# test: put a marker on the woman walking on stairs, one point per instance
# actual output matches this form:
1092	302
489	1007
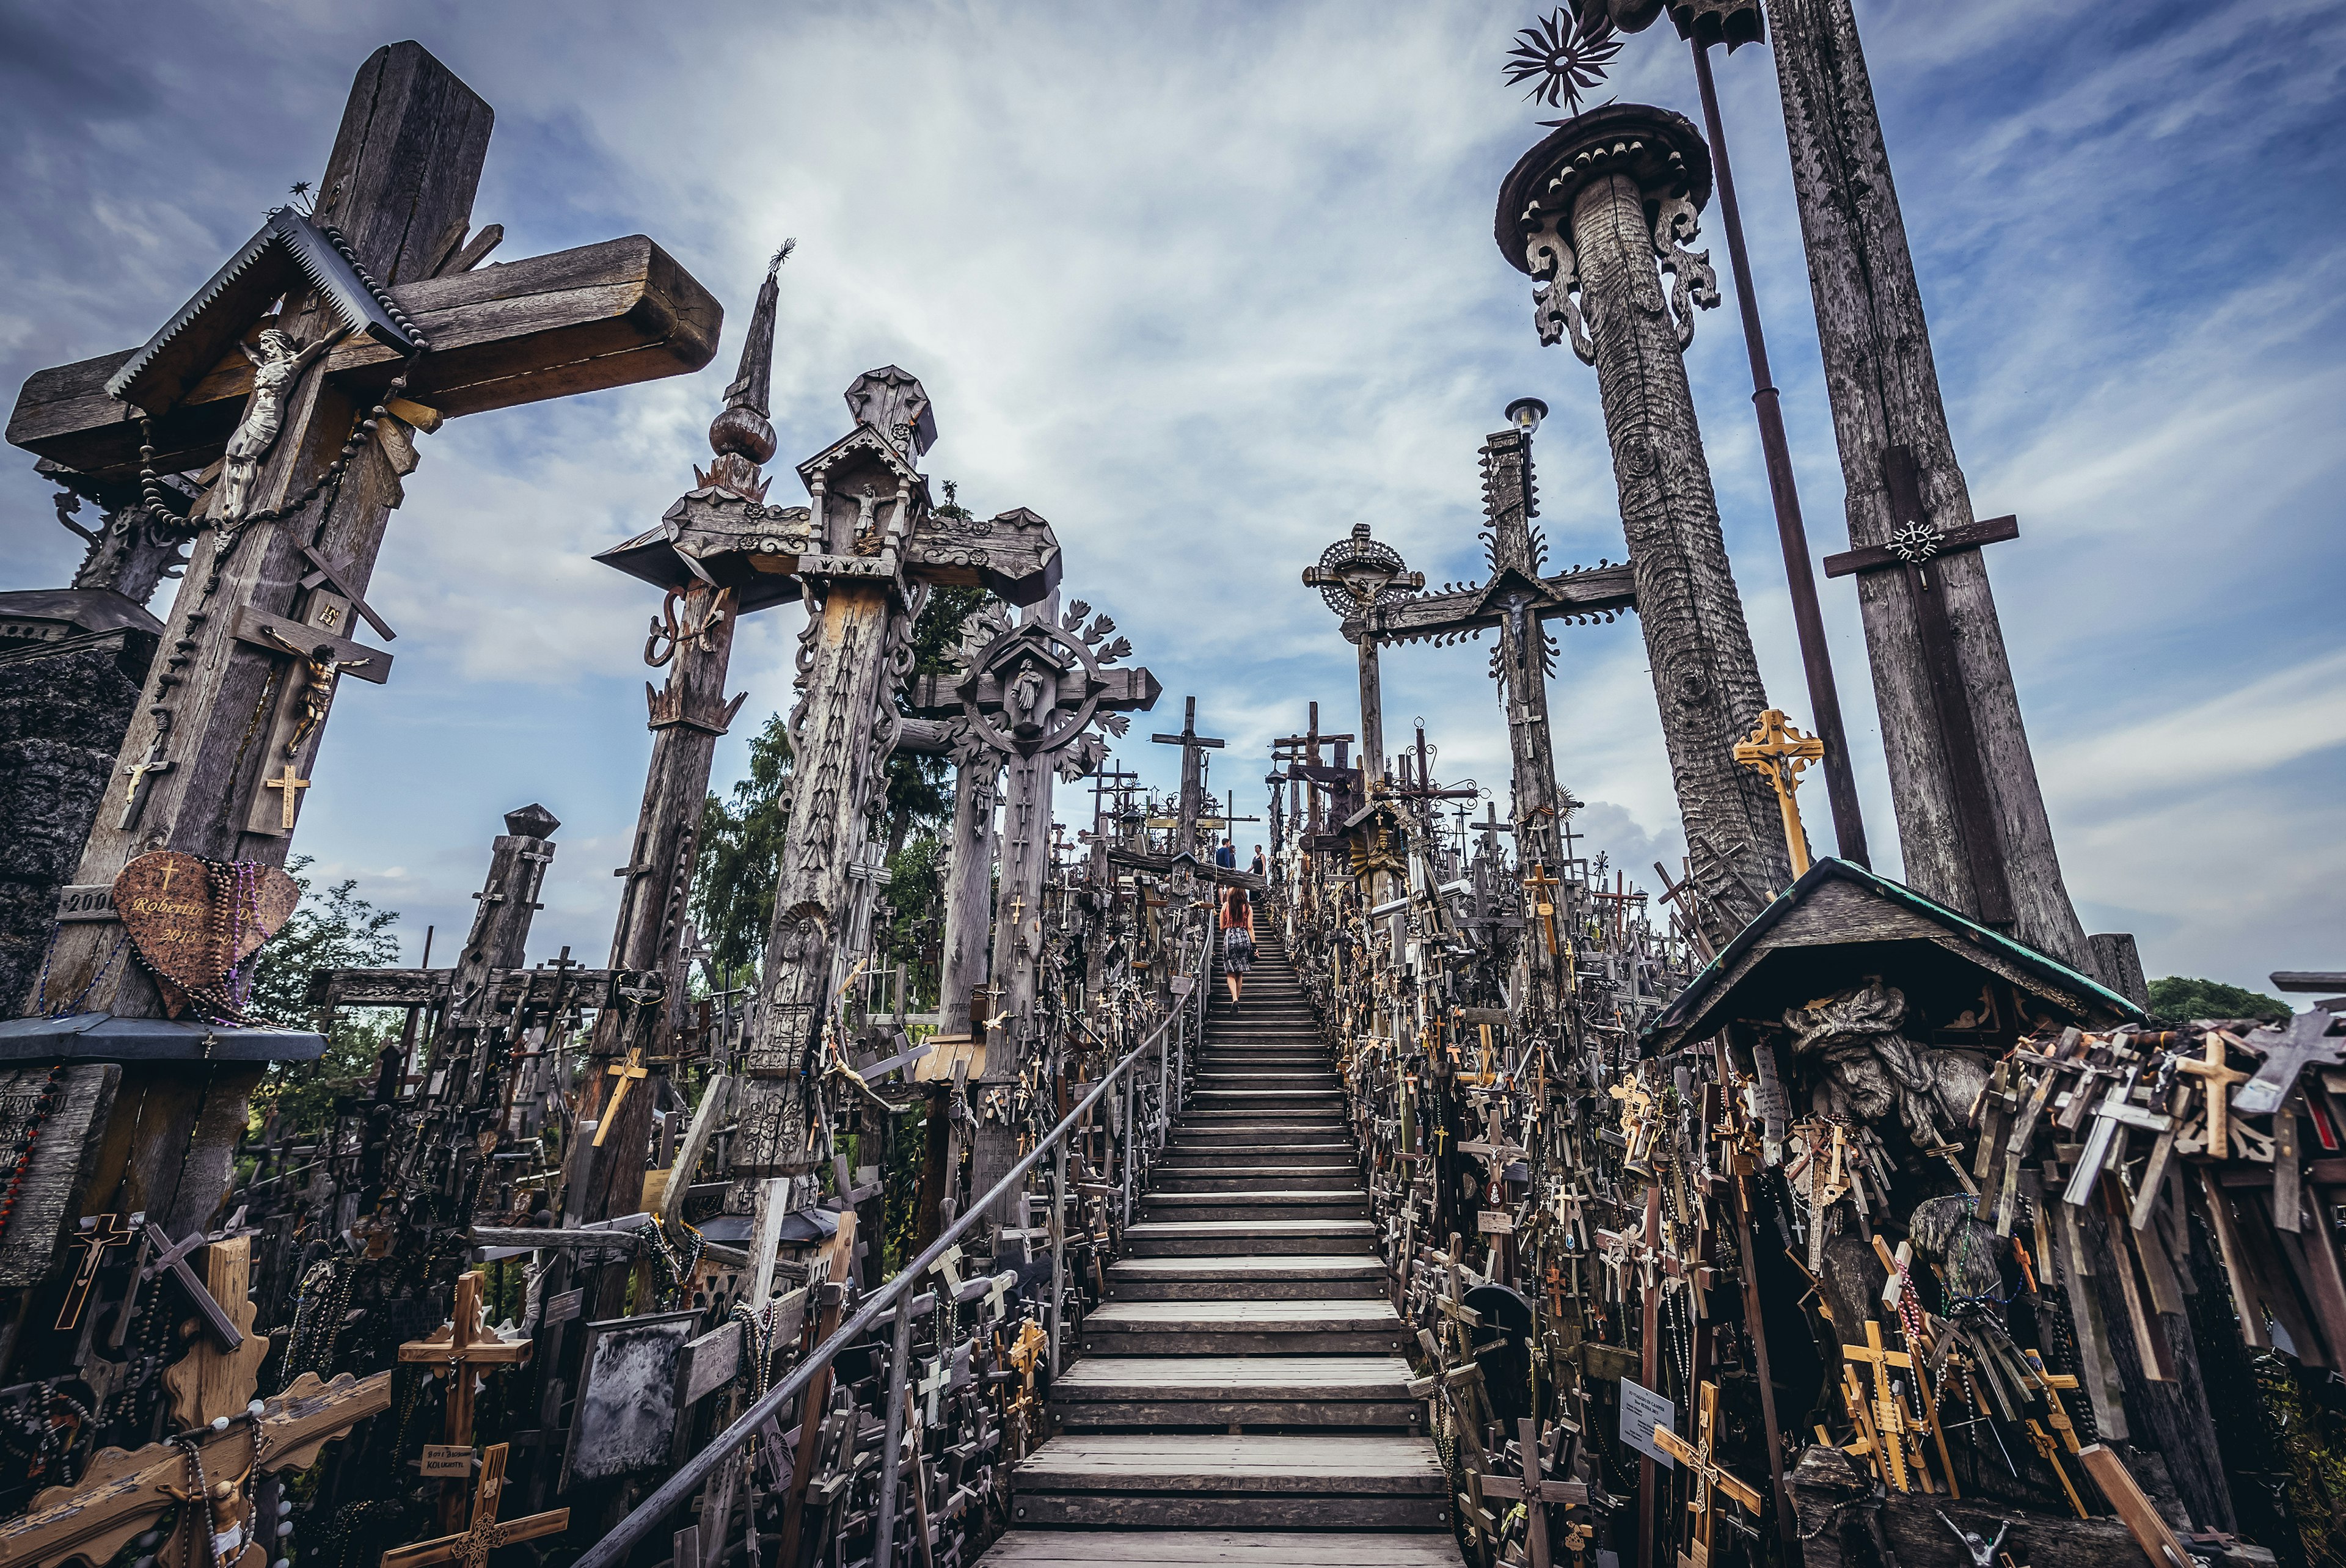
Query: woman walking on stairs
1238	940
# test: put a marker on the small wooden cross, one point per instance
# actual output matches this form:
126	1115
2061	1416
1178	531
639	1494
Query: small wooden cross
1542	889
95	1238
1708	1479
1888	1413
471	1548
290	781
627	1073
458	1346
1534	1490
2218	1076
1782	752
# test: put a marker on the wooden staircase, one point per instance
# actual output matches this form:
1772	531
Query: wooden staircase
1242	1396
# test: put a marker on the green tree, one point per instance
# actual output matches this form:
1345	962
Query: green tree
2177	999
331	929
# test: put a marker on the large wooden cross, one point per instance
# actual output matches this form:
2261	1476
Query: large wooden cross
219	710
457	1346
1914	550
487	1531
1354	575
1888	1411
1710	1478
1534	1491
1194	748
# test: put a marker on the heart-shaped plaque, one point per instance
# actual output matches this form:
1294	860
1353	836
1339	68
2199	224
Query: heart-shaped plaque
193	920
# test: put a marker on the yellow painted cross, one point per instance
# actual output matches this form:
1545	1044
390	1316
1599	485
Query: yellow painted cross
627	1073
290	782
1782	752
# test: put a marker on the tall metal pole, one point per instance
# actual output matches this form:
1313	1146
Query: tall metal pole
1816	656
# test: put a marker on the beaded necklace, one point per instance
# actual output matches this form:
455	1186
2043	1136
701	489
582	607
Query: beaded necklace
43	1105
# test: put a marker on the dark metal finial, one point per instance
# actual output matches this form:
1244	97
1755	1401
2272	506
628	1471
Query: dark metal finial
1562	58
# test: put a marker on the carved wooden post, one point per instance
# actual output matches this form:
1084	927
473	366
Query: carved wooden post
1885	388
1589	211
1352	574
968	879
865	552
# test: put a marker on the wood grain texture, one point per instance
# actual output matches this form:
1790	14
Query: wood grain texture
1884	390
65	1158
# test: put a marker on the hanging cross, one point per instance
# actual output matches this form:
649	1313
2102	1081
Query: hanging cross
290	781
485	1534
458	1346
1782	752
1708	1479
1542	888
1535	1492
172	1259
931	1387
627	1073
1914	543
96	1238
142	774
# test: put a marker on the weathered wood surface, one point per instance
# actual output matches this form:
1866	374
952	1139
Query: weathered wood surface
1699	648
968	880
1079	1549
599	316
1184	1462
1884	390
65	1157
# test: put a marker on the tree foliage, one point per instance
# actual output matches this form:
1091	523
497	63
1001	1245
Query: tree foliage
331	929
2179	999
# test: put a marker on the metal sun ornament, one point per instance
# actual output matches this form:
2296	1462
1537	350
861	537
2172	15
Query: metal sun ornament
1562	59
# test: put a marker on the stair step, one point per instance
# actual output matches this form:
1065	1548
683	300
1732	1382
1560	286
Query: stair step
1305	1326
1174	1480
1258	1238
1221	1548
1288	1203
1255	1178
1294	1277
1235	1391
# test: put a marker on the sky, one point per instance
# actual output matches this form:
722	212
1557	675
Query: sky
1206	285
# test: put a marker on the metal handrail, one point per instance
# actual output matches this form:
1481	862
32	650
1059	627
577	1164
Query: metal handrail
678	1489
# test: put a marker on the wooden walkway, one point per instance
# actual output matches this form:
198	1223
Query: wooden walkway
1242	1395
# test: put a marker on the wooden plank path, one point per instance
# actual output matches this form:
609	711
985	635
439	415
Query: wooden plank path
1242	1395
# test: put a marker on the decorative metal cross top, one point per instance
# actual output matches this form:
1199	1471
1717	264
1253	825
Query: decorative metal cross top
486	1533
1194	747
1781	753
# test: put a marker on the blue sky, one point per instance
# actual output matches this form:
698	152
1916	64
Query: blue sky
1207	284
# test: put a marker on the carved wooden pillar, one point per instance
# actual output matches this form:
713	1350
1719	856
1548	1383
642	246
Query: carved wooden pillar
968	880
1885	388
1590	211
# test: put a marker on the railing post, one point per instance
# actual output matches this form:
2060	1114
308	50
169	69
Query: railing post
900	1388
1129	1097
1058	1249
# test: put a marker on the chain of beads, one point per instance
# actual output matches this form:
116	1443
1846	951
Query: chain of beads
67	1009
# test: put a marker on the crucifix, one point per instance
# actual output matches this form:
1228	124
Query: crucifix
142	774
1194	748
853	655
1779	753
434	340
96	1237
1710	1478
486	1533
1352	574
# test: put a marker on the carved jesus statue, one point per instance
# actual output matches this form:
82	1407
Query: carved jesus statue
276	367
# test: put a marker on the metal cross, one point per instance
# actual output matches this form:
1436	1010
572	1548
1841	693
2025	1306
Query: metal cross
1777	750
142	777
288	782
95	1238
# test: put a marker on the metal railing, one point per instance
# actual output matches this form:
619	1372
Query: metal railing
676	1491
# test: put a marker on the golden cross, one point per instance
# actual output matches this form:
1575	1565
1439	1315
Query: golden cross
1781	752
1708	1478
471	1548
2216	1076
288	782
627	1073
1888	1413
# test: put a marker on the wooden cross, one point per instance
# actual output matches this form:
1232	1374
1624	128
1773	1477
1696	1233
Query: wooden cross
1889	1413
2287	1049
1709	1479
1782	752
173	1258
1194	747
458	1346
1914	543
486	1533
290	781
1534	1490
1542	887
96	1238
398	190
2217	1076
627	1073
